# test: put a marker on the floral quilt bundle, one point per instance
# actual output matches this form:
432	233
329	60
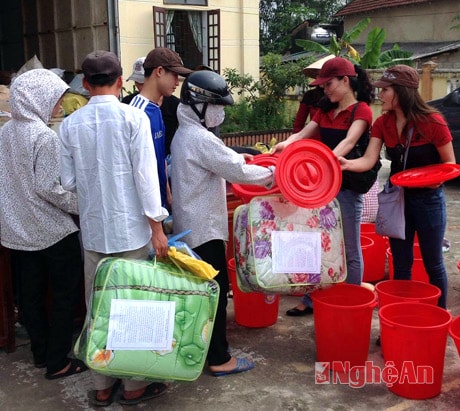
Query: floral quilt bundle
281	248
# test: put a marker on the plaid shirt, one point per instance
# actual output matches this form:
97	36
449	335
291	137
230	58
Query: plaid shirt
370	204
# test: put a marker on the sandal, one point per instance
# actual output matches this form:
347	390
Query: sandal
76	367
92	396
153	390
242	365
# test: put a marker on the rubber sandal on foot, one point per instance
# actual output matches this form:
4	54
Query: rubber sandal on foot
76	367
242	365
92	396
151	391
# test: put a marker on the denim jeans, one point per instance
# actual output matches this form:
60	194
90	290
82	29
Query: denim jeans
351	206
425	212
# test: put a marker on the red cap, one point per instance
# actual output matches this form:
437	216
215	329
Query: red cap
336	67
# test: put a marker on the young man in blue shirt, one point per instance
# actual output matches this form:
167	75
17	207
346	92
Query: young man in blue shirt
162	68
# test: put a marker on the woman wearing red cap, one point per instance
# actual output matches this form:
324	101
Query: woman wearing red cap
408	118
343	119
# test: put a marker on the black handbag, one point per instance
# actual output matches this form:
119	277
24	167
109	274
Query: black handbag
363	181
360	182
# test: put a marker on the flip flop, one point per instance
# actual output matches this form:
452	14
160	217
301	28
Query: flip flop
92	396
242	365
153	390
76	367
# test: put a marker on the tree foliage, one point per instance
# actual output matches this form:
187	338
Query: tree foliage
261	106
278	19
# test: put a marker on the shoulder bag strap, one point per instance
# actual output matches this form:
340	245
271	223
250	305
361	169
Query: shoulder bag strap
353	110
406	151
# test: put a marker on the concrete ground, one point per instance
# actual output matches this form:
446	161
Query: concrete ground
284	376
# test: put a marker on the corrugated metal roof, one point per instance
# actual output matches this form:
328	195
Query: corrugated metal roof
435	49
362	6
420	50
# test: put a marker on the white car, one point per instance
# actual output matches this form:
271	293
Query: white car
320	35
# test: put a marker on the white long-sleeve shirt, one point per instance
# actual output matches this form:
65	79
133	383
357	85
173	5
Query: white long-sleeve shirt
200	166
108	157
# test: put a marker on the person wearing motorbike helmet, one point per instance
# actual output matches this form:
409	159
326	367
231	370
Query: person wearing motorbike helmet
201	166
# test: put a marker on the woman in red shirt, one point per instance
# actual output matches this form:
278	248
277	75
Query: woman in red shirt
431	143
344	119
307	107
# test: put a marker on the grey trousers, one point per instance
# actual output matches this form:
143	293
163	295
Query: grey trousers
92	258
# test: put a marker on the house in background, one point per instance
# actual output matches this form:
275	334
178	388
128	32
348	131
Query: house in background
423	27
221	34
218	33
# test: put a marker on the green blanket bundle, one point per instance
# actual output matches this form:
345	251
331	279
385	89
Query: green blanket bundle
134	282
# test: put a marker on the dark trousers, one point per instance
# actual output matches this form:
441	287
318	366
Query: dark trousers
213	252
426	215
60	268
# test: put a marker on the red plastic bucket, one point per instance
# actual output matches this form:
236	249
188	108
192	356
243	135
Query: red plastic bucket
367	245
246	192
254	310
414	337
343	315
454	332
398	291
374	255
418	268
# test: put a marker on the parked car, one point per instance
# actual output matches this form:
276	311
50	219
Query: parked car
320	35
449	106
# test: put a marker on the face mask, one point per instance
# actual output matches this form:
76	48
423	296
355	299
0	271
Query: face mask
214	116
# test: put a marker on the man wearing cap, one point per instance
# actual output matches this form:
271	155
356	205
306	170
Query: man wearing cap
108	158
168	104
162	68
138	77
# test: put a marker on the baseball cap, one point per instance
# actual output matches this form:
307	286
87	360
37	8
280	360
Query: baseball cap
138	71
167	58
335	67
400	75
101	65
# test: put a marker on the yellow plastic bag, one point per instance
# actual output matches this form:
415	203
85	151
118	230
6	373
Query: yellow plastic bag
73	102
200	268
